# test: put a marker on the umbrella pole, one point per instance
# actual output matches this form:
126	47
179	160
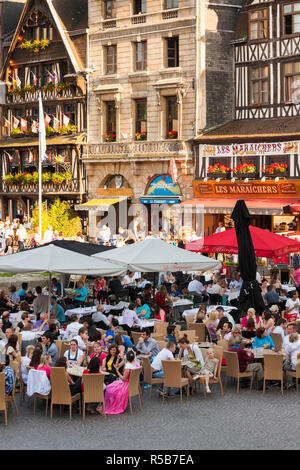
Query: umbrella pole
49	291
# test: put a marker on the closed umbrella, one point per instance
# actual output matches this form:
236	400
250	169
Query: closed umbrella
250	295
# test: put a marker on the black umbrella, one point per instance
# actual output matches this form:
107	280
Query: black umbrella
250	295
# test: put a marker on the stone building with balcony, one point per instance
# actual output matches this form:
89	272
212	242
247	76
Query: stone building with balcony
47	54
155	69
255	155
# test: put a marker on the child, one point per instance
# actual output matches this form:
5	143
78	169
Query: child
209	369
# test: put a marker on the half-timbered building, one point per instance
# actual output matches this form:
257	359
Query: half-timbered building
256	154
46	55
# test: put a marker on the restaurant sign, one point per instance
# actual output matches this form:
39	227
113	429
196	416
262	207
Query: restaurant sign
279	148
251	189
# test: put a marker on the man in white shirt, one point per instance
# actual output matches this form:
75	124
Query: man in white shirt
290	330
22	235
237	282
196	286
72	328
82	338
28	334
166	354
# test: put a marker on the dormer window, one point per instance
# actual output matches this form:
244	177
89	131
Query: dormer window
258	25
291	19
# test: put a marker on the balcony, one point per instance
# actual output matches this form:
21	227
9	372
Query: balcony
169	14
47	95
72	186
132	149
139	19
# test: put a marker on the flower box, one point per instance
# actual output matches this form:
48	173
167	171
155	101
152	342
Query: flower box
243	176
172	134
110	137
221	175
141	136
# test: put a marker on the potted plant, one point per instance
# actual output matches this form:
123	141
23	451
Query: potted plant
35	46
141	136
17	133
278	169
172	134
246	170
110	136
218	170
16	91
48	87
50	131
70	129
61	86
9	179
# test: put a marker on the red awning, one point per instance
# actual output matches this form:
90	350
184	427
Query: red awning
265	243
295	207
255	206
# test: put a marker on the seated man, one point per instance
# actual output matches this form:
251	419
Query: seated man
82	338
72	328
147	345
166	354
291	328
40	303
246	359
100	319
271	297
80	294
42	323
131	320
110	334
56	287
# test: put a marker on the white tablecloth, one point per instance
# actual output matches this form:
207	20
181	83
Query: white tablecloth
231	295
144	323
288	287
82	311
182	302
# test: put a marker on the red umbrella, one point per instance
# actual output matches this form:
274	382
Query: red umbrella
265	243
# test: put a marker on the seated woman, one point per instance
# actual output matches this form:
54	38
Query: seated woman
98	352
116	393
100	291
25	363
192	353
163	299
97	338
92	368
36	357
12	350
23	322
110	362
250	314
44	364
159	313
75	387
211	324
209	368
74	355
250	331
143	310
263	340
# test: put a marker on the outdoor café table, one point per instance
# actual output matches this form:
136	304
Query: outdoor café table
179	306
259	353
232	294
288	287
144	323
13	318
81	311
77	371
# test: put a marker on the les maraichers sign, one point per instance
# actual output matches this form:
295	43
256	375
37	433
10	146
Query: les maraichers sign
251	189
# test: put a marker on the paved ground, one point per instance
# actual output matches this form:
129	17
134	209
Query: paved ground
244	421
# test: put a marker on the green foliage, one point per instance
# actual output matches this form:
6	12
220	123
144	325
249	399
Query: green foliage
70	129
60	216
17	133
36	45
50	131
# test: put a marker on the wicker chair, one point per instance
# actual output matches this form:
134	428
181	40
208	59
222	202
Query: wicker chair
2	396
172	377
58	344
134	387
160	328
162	344
233	369
277	339
199	329
93	385
293	373
23	387
189	319
61	394
135	337
273	369
147	372
65	346
191	335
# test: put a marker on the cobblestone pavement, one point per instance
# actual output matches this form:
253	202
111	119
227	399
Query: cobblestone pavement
244	421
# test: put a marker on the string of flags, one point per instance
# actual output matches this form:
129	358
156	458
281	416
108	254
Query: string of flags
23	123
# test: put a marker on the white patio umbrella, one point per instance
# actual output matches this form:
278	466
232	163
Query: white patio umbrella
155	255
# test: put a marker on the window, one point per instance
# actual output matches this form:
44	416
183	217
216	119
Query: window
291	81
50	110
109	9
291	19
47	69
140	55
172	114
111	59
111	117
139	6
141	116
259	85
171	4
40	32
70	111
172	52
258	24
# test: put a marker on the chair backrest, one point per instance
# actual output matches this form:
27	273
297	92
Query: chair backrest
172	373
191	335
158	337
199	329
160	327
65	346
161	344
219	355
277	339
90	350
147	370
189	319
232	363
93	388
223	344
134	381
60	389
135	336
20	340
38	382
58	343
273	366
2	391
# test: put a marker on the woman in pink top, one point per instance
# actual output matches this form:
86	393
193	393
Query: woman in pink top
98	352
45	364
250	314
159	313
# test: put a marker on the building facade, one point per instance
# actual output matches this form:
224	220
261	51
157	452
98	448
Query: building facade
156	69
47	55
259	149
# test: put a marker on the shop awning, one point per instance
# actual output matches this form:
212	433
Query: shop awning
256	206
295	208
159	200
99	204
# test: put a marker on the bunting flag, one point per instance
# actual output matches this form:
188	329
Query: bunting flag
6	123
14	82
47	120
66	121
18	81
55	78
51	77
16	122
30	157
173	170
34	78
35	127
10	157
55	124
23	125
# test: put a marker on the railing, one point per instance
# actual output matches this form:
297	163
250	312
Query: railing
66	187
131	148
107	24
47	95
139	19
170	14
